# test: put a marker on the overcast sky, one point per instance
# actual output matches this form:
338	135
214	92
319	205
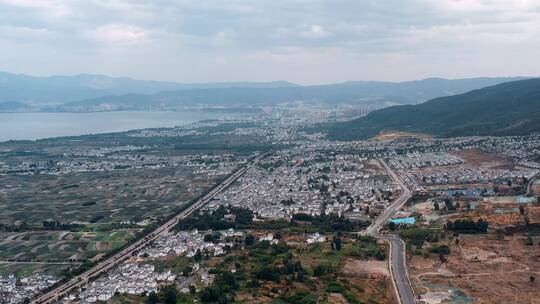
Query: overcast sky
304	41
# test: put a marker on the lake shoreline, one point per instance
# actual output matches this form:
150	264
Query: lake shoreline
33	126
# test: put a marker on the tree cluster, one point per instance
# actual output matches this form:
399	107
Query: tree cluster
468	226
215	220
331	222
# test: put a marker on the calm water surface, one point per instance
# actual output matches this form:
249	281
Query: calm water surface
17	126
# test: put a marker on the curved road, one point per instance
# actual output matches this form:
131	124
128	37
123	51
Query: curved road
530	184
397	260
126	253
379	222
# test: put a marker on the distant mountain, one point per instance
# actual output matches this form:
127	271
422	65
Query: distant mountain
62	89
511	108
378	94
14	106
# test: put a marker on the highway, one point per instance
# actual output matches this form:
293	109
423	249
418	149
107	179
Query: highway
126	253
397	260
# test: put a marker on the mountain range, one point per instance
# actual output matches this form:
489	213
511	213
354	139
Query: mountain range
62	89
89	92
511	108
14	106
372	93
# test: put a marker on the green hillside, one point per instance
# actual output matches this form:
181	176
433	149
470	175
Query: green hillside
511	108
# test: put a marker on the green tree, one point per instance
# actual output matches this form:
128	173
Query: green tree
152	298
269	274
228	279
171	295
442	257
449	204
211	294
249	240
319	270
198	255
300	276
289	267
337	243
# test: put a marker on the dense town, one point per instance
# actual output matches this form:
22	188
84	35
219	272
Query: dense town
305	174
297	181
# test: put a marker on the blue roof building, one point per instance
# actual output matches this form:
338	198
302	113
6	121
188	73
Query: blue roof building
405	220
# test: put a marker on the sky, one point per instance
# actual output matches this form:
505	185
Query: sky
303	41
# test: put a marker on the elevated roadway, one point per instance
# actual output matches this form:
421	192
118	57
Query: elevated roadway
126	253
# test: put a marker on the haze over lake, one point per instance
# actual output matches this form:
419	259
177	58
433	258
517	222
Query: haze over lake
22	126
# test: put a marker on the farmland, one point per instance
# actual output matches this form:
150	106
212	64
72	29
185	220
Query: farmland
69	201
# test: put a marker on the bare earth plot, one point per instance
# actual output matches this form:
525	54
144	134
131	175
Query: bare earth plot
481	269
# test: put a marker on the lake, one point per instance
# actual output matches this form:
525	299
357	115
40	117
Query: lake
20	126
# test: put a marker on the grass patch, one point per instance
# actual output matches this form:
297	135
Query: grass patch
176	264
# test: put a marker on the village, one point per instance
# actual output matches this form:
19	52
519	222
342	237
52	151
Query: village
138	276
15	290
307	182
120	158
315	177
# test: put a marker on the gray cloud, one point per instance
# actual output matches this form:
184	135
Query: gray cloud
307	41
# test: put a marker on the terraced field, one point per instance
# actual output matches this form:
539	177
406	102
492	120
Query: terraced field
26	252
97	198
59	246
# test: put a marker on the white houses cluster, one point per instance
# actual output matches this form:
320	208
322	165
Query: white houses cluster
303	181
189	242
127	278
16	290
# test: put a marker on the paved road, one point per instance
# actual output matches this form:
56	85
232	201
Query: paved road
126	253
397	261
379	222
398	267
531	183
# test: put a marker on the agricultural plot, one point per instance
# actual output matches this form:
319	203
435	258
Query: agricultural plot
59	246
68	201
28	252
27	269
97	198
